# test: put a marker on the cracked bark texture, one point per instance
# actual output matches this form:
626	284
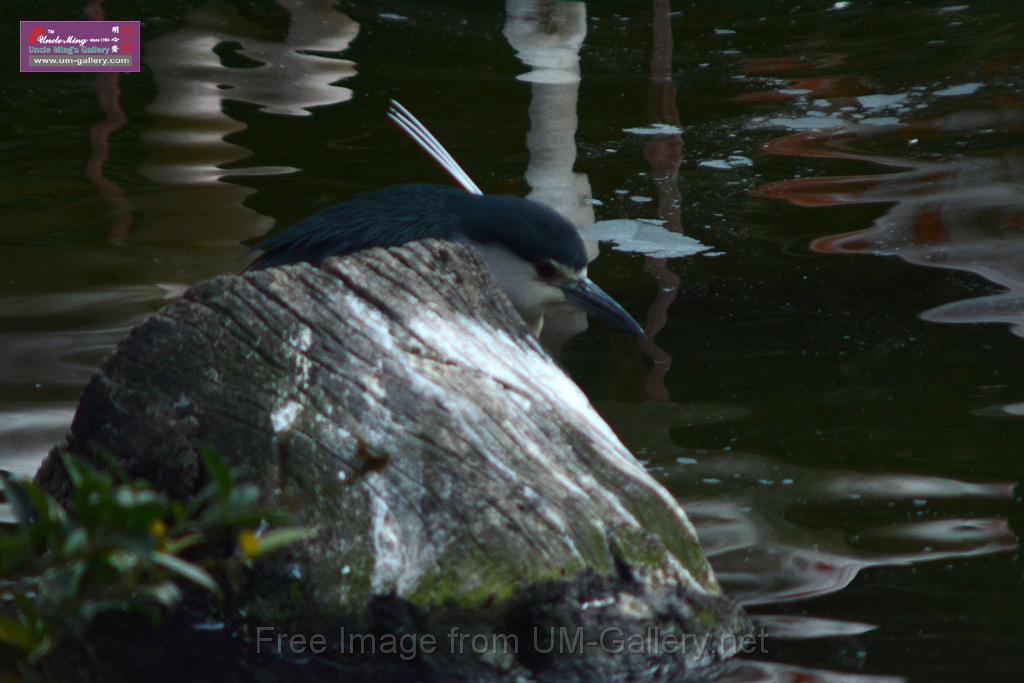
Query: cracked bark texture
457	477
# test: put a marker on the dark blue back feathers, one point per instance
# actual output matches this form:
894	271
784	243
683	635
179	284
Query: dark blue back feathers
405	213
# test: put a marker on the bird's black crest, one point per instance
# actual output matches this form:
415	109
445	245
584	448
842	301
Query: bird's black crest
401	214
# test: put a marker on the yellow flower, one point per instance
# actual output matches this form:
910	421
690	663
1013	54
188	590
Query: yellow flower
158	529
248	544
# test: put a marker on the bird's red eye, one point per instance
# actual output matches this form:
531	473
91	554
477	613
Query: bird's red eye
545	269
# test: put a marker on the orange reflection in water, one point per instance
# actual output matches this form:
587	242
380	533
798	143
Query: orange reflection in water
108	95
959	211
823	86
664	153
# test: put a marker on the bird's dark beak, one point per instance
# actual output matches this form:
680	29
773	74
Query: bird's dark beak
584	294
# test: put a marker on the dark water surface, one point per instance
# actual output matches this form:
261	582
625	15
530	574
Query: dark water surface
818	214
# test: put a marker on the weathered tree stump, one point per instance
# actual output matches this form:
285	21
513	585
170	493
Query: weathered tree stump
457	477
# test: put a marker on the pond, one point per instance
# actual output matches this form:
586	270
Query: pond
816	210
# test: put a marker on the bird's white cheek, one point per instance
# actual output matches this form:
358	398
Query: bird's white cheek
519	280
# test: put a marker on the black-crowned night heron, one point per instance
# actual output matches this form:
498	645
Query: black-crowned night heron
533	253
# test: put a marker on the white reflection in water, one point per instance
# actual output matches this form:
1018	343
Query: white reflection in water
27	434
801	628
778	532
547	37
41	369
186	146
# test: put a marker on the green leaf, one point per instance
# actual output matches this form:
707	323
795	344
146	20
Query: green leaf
178	545
75	542
44	644
112	465
89	610
72	469
61	582
279	538
165	593
219	473
17	635
123	561
117	551
186	570
200	500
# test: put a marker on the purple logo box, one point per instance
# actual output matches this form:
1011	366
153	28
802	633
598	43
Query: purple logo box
80	46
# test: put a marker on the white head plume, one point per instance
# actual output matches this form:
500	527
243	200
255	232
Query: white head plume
425	139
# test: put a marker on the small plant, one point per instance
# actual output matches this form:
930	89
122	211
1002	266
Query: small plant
119	546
